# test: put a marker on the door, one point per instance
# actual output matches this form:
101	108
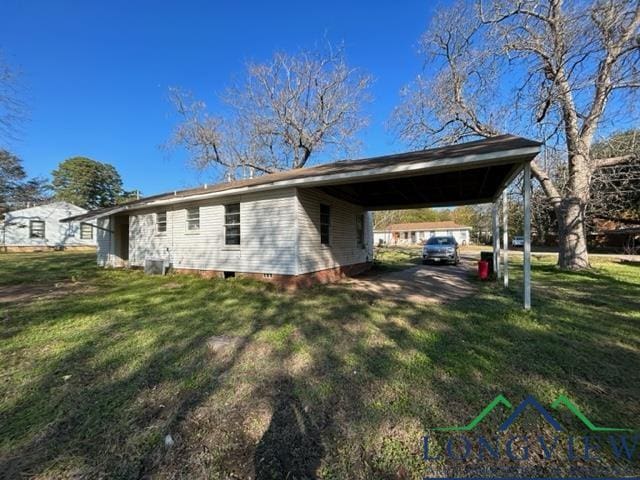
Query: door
124	242
121	242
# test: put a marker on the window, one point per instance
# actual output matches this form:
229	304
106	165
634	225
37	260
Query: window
36	229
360	230
232	224
161	222
441	241
325	224
193	219
86	231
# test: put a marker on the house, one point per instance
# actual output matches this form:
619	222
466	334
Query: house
300	226
39	228
417	233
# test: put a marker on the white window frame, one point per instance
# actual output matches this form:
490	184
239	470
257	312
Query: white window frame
44	229
161	222
233	224
188	220
82	234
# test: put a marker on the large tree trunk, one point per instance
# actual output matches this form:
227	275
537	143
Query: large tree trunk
572	235
572	232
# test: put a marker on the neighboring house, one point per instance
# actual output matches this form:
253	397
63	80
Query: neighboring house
417	233
300	226
39	228
615	236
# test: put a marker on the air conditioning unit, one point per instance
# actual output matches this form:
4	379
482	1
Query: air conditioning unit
156	266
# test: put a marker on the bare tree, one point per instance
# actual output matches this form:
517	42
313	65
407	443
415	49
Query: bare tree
12	109
283	113
546	68
615	189
383	218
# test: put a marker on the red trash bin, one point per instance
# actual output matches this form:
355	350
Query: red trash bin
483	270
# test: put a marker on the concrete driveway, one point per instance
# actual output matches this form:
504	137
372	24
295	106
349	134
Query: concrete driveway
421	284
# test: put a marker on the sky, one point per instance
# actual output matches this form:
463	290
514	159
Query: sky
95	75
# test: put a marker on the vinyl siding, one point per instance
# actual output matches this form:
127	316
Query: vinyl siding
343	248
16	226
268	235
103	239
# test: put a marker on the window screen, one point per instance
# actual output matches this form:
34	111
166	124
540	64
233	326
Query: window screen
325	224
193	219
232	224
360	230
36	229
161	222
86	231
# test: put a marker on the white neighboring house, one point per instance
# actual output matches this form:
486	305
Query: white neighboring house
39	228
419	232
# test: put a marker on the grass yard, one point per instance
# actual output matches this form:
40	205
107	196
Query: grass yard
325	383
392	259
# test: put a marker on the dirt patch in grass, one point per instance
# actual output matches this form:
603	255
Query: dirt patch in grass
420	284
23	293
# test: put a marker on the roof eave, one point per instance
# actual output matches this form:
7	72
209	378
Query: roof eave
525	154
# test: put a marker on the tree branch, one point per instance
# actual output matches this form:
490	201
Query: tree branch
613	161
547	184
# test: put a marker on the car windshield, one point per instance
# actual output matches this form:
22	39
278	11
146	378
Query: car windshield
441	241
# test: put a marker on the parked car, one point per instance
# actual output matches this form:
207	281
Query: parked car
441	249
517	242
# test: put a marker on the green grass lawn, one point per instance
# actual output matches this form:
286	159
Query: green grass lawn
389	259
30	268
325	383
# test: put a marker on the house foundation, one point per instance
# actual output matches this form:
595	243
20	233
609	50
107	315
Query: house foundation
287	282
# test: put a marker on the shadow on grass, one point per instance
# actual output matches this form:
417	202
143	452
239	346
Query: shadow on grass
291	447
324	383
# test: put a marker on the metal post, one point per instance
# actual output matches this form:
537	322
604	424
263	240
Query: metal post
505	238
496	240
527	236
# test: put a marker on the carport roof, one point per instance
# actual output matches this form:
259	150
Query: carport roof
471	172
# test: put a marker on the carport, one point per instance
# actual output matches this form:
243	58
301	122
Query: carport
465	174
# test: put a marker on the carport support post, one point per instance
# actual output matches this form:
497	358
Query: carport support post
527	236
505	238
496	240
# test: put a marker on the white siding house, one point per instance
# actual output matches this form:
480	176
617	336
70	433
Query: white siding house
302	225
280	235
419	232
40	228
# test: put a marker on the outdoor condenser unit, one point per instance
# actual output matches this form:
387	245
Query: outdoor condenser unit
156	266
